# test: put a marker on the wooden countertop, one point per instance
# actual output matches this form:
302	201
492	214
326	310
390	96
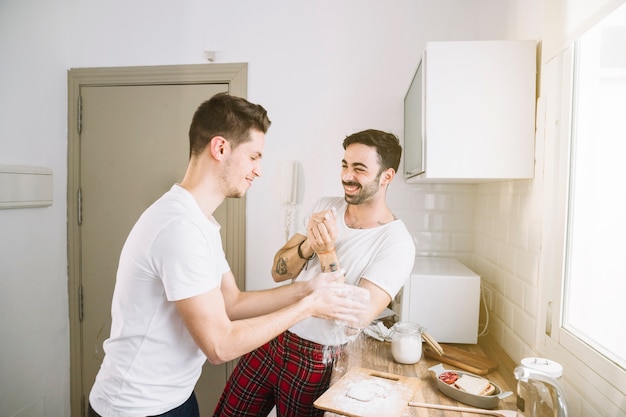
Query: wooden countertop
369	353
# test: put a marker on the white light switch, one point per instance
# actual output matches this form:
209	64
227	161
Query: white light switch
25	186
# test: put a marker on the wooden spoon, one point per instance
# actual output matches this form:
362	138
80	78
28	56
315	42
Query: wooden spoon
501	413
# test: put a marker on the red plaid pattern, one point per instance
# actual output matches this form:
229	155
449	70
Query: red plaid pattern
288	372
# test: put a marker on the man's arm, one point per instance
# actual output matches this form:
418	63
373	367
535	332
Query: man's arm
245	304
291	258
320	241
211	317
379	300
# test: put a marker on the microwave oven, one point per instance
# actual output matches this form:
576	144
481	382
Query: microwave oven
443	296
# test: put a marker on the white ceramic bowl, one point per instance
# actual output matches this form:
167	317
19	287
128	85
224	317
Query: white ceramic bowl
481	401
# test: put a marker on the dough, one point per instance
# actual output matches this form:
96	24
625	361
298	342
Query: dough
365	391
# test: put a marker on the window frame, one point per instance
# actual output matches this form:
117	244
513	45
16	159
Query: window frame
597	378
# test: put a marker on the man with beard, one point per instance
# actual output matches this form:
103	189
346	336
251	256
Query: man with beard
377	253
176	303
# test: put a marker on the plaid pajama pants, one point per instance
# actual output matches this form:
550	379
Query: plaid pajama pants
288	372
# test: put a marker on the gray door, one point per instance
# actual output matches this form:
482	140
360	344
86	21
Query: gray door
133	147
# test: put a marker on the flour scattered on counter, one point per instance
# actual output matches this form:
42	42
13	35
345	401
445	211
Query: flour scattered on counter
366	391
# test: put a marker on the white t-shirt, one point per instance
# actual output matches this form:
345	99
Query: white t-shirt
151	362
384	255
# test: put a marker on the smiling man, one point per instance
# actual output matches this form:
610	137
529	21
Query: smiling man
376	251
176	303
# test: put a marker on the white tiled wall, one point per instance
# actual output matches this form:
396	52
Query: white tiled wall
495	229
439	216
506	255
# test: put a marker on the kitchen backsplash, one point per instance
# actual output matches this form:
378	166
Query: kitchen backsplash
508	232
494	228
440	217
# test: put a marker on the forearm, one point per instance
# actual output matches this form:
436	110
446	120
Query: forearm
256	303
224	331
292	258
246	335
250	333
329	261
300	249
222	339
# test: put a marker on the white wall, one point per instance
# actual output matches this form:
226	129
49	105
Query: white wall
34	346
509	217
323	69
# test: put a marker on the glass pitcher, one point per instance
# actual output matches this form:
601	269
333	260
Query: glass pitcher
539	393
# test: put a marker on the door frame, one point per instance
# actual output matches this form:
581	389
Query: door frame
236	76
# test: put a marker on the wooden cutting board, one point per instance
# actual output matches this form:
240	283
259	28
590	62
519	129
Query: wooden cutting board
462	359
392	394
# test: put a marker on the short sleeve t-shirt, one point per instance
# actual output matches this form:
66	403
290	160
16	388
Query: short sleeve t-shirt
151	362
383	255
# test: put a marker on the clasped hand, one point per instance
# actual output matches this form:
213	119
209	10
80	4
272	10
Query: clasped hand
335	300
322	230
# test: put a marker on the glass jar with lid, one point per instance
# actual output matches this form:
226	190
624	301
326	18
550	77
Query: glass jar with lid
406	342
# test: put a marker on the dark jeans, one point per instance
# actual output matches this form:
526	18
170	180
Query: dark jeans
187	409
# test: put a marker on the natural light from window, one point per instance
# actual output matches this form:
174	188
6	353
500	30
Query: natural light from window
595	283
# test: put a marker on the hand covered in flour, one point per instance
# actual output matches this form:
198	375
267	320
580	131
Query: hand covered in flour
354	325
323	280
331	299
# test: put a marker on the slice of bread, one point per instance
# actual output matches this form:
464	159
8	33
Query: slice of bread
473	385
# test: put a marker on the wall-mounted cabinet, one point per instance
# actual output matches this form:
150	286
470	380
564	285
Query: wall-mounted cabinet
470	112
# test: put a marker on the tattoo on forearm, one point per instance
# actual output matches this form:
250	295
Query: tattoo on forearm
330	268
281	266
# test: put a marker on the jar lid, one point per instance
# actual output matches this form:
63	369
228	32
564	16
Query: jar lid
408	327
545	366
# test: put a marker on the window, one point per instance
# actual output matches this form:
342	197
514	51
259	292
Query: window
584	245
595	267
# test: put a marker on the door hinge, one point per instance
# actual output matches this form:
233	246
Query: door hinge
79	115
80	303
79	206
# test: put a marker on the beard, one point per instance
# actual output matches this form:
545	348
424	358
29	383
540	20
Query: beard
364	193
229	188
234	193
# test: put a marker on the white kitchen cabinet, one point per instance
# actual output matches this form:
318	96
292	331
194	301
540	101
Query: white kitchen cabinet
478	111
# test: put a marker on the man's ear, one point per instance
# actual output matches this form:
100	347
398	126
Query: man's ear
218	147
387	176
